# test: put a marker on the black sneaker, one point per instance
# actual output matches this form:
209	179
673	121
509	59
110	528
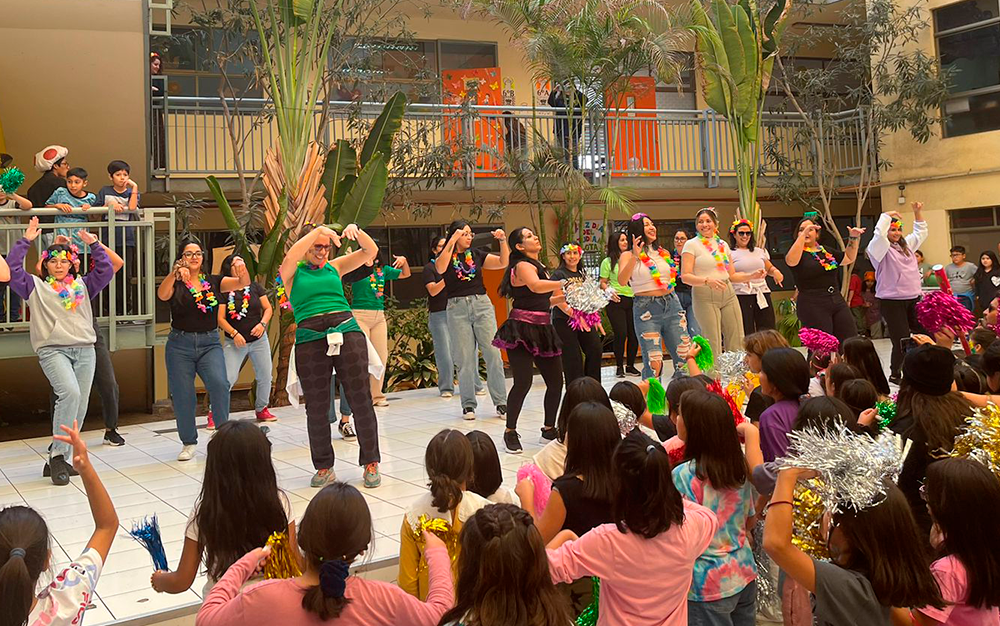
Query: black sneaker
112	438
47	471
550	433
631	371
60	471
894	379
512	442
620	372
502	410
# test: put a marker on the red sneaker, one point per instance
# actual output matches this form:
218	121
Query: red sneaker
264	415
211	422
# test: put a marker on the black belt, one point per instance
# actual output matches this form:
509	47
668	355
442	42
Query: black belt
820	290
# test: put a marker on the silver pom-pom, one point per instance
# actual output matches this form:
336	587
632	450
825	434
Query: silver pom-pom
627	420
585	296
730	366
851	466
767	574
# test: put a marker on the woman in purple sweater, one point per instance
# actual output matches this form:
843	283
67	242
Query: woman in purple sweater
62	328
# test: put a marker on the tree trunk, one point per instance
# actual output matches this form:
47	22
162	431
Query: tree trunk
286	339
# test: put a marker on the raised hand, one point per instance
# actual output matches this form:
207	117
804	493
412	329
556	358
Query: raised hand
32	231
239	266
637	244
398	261
183	274
351	232
81	460
499	235
86	237
855	232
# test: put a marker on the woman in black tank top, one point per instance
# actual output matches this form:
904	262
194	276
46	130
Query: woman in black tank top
527	335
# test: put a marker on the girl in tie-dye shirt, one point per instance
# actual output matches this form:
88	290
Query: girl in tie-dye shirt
715	474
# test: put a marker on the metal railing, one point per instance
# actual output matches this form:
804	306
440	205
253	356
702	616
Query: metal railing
130	298
190	138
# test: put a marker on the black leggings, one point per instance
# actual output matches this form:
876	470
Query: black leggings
577	346
550	367
620	316
826	311
314	368
901	318
754	317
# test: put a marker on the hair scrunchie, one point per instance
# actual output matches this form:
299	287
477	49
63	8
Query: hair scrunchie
17	553
333	578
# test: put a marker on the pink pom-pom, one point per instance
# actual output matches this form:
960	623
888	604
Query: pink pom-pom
543	486
938	310
579	318
818	341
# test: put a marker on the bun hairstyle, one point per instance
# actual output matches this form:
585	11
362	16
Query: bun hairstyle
516	236
449	462
24	554
646	503
335	530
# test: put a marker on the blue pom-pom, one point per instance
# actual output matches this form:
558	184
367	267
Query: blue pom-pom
147	533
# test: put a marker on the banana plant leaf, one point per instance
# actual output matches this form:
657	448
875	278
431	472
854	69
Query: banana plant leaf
341	162
728	32
746	99
712	58
346	183
241	244
363	201
386	126
267	259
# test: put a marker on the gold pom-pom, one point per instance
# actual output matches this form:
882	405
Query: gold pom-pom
807	519
442	529
281	563
980	439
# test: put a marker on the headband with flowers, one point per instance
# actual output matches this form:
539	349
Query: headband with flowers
638	216
570	247
740	222
72	256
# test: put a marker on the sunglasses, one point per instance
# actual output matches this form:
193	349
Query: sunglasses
319	247
743	233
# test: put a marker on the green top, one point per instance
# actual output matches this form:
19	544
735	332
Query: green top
612	276
930	281
364	291
317	291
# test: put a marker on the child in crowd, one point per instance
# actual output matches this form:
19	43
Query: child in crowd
860	353
504	576
857	303
552	458
838	374
756	345
631	398
784	377
25	554
487	474
963	497
961	276
449	464
336	530
873	312
716	475
581	498
644	559
818	364
239	478
860	396
73	196
968	378
122	195
979	340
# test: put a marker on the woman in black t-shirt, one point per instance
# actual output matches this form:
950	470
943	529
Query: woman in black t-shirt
582	346
193	343
820	304
243	317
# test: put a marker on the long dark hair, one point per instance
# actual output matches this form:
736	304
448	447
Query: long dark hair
712	442
839	373
636	228
678	387
647	502
458	224
583	389
940	418
787	371
732	237
823	413
591	441
614	249
858	394
964	499
337	526
55	249
239	477
21	528
486	473
503	575
516	236
628	393
579	265
860	353
448	461
980	274
885	547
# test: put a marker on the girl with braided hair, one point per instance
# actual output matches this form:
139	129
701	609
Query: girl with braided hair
504	578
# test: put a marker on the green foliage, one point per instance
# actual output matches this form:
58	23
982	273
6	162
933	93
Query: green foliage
788	321
242	245
341	166
410	364
386	126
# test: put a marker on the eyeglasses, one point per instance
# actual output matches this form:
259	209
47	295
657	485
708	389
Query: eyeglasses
193	255
319	247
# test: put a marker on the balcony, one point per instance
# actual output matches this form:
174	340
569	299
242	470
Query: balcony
649	147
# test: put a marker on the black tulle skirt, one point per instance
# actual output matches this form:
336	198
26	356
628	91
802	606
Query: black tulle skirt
538	339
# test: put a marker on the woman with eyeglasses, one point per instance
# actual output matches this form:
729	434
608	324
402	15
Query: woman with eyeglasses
754	296
814	267
193	346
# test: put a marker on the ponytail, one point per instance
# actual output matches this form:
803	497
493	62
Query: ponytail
24	552
327	600
449	462
647	503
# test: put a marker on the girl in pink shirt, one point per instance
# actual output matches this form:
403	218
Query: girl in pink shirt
335	531
964	501
644	559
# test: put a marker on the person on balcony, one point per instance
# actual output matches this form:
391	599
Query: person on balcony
193	345
54	167
707	266
754	296
471	318
814	267
328	338
568	120
62	329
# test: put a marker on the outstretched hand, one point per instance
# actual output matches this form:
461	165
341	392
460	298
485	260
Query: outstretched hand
855	232
32	231
86	237
81	460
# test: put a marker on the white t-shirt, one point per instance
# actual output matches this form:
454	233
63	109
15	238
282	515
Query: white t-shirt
552	459
65	600
504	496
704	263
749	262
12	235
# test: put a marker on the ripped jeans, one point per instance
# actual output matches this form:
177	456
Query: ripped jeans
656	318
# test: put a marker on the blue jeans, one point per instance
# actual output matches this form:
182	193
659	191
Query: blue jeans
260	356
656	318
188	354
71	373
687	303
345	407
737	610
471	321
967	299
437	322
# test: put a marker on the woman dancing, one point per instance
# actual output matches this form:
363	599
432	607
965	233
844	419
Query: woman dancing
586	339
471	319
813	266
897	278
328	338
527	335
754	296
620	308
656	312
193	345
706	266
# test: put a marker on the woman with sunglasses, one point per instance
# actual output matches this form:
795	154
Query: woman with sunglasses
814	267
193	346
754	296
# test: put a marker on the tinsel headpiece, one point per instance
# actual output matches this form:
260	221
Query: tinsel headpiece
627	420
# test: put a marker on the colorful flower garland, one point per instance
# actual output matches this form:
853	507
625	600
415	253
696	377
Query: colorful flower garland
824	258
70	289
377	280
741	222
233	313
718	252
205	294
281	294
466	269
570	247
654	269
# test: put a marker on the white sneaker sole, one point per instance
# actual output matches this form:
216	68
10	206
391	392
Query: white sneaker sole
468	416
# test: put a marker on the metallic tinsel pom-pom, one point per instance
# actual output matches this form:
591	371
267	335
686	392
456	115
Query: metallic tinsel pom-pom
585	296
980	439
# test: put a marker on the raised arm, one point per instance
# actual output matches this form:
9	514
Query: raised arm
853	243
879	245
241	280
441	262
298	250
919	235
367	250
794	254
527	275
20	281
778	533
501	261
627	261
401	264
166	289
99	277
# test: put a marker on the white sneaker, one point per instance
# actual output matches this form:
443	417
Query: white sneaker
481	392
187	453
446	394
469	414
382	403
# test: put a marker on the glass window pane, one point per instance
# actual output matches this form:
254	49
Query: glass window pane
180	85
972	114
973	56
463	55
964	13
972	218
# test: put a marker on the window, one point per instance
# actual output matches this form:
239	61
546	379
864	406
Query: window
467	55
968	43
190	61
381	68
978	229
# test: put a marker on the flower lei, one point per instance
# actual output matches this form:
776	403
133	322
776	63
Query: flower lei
570	247
281	294
465	269
718	251
70	289
205	294
377	280
824	258
654	270
740	222
233	313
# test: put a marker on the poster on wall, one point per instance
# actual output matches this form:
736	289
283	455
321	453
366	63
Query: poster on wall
593	236
459	86
636	146
508	92
542	90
